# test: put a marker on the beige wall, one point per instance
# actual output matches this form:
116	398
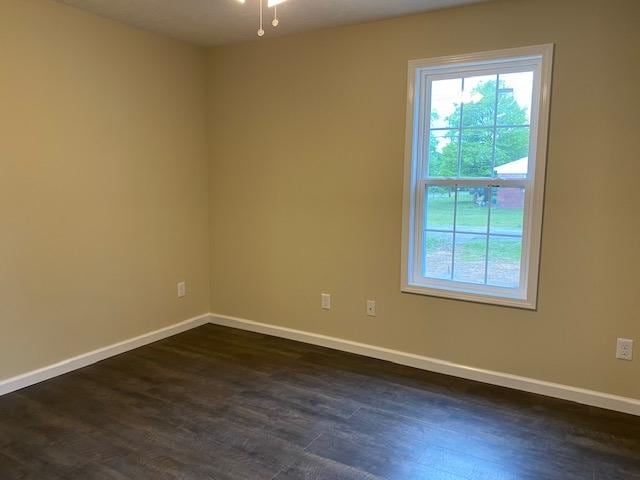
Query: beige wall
307	136
103	191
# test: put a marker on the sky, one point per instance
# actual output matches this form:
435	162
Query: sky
447	94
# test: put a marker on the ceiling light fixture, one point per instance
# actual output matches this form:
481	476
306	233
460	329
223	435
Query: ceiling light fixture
270	3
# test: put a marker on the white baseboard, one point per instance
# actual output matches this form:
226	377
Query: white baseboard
60	368
564	392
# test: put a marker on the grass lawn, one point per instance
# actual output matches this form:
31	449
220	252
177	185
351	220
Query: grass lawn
503	249
440	208
471	216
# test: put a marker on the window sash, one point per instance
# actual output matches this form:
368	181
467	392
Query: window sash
474	182
423	108
458	285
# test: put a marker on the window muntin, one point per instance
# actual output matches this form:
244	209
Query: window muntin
473	219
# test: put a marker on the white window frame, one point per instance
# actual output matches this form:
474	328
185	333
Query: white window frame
538	58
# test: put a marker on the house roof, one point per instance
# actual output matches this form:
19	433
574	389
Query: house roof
517	167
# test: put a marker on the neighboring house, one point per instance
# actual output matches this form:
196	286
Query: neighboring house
511	197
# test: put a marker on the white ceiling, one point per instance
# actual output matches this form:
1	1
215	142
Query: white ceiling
214	22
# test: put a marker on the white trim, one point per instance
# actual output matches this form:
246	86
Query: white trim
565	392
525	384
36	376
538	58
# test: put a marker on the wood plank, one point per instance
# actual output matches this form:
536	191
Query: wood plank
219	403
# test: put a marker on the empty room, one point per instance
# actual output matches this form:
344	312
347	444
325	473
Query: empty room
319	239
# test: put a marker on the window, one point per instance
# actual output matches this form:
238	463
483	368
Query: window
474	175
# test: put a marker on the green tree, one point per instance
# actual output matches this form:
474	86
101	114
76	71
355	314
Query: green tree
477	142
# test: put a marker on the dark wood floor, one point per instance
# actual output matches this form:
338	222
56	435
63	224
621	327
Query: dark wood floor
218	403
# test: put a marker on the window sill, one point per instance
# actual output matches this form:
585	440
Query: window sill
526	304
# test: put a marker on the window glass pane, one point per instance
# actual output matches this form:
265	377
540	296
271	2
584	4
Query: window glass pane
438	251
443	153
514	98
473	209
512	152
503	266
440	202
479	101
469	261
477	152
507	210
445	103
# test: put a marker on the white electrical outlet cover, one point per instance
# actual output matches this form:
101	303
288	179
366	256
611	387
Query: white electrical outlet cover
624	349
371	308
325	301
